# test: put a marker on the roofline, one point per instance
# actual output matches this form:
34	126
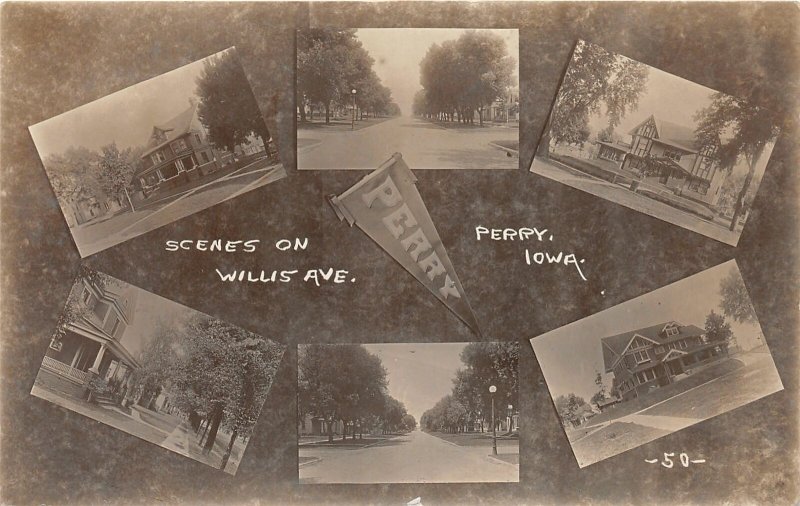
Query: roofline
624	350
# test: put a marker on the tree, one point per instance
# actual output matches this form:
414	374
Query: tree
568	407
717	329
746	129
595	79
227	107
462	76
409	423
600	395
116	172
224	372
735	301
73	175
340	382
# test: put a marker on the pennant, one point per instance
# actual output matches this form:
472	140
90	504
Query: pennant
386	205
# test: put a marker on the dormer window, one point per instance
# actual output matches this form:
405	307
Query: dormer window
672	331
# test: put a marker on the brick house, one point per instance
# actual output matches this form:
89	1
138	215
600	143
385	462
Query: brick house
178	152
656	356
669	155
92	348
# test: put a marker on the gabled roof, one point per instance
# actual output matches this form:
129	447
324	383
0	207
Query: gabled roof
175	127
672	134
615	346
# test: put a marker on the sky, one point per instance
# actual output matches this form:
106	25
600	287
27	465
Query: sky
399	51
674	99
125	117
419	374
571	356
149	312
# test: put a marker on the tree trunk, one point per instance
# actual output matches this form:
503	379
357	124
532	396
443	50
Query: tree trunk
480	115
330	430
228	450
302	110
130	202
737	208
212	435
327	113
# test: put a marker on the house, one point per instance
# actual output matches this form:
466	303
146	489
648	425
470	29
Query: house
669	155
178	152
607	403
310	425
92	347
655	356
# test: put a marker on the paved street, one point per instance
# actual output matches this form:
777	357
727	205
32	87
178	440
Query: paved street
627	198
416	457
423	145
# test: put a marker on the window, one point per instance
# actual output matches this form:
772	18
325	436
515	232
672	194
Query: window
178	145
672	155
641	356
158	157
672	331
204	157
56	344
683	344
115	328
198	139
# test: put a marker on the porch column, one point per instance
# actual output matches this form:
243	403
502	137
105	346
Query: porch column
98	359
77	356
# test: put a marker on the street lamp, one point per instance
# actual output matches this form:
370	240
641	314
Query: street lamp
353	125
492	390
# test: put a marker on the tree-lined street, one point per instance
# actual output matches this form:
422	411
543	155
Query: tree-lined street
423	144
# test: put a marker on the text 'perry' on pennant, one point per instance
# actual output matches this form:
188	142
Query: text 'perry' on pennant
386	205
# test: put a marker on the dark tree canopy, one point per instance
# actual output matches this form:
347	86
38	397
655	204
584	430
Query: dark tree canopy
462	76
596	80
735	301
227	108
717	329
742	131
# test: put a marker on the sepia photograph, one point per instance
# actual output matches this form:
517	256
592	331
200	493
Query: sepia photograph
157	151
656	143
408	413
158	370
448	100
657	364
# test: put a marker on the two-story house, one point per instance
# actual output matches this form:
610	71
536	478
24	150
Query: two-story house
669	155
92	346
656	356
178	152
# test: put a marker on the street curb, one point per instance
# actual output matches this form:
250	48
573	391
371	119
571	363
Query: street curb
495	460
503	148
316	459
341	445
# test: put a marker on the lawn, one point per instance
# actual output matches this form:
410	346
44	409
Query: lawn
663	393
477	438
737	389
340	124
606	174
339	442
613	439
